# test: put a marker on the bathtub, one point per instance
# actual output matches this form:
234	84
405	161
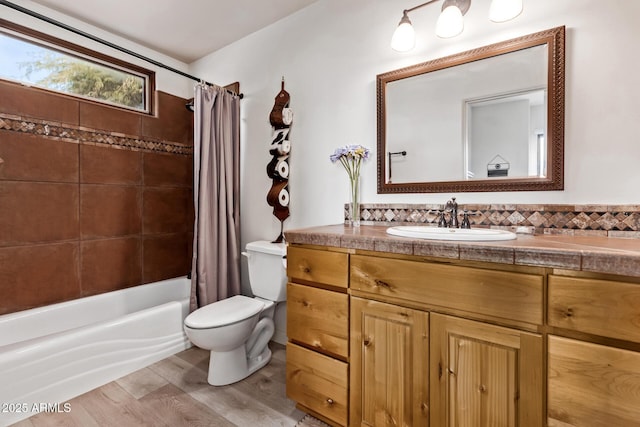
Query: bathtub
50	354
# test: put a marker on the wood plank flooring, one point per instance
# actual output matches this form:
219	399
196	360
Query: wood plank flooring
174	392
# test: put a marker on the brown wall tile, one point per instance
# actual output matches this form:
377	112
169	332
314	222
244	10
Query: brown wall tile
165	210
109	265
37	212
165	257
36	158
173	122
110	211
168	170
110	119
107	165
58	191
33	102
33	276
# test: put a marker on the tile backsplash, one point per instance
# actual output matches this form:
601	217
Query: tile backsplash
585	220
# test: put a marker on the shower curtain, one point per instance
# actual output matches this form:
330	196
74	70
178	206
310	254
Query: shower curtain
215	268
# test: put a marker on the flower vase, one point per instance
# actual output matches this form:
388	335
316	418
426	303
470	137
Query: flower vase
354	202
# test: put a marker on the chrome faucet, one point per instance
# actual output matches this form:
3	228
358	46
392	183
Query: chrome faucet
452	207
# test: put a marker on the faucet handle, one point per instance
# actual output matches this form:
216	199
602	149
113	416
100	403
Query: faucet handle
465	220
442	222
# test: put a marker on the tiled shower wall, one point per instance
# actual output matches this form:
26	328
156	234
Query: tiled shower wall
92	198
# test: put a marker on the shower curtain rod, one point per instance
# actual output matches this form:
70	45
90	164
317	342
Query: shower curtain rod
105	42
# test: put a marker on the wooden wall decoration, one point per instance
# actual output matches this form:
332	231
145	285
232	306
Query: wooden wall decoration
281	118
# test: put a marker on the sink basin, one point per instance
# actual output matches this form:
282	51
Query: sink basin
457	234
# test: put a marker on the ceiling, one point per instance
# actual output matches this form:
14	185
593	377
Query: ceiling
182	29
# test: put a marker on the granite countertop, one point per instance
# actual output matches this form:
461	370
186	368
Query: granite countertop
592	254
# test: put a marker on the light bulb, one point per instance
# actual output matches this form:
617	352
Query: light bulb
504	10
450	22
404	38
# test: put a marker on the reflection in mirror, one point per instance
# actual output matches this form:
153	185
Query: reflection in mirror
491	119
505	136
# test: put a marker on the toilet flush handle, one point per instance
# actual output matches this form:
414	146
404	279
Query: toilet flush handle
246	254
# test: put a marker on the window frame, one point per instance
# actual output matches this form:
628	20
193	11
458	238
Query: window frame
32	36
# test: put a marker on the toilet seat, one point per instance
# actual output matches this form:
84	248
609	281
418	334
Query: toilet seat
224	312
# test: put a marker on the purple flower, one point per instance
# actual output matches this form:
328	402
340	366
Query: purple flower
350	156
350	152
340	152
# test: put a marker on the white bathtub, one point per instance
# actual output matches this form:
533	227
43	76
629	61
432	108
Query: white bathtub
50	354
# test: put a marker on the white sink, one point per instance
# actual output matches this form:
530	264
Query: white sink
458	234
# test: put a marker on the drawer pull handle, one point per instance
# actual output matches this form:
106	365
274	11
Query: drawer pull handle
569	312
482	388
330	401
366	342
306	270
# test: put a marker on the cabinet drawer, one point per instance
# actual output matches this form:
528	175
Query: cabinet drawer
329	268
602	307
592	385
317	382
499	294
318	318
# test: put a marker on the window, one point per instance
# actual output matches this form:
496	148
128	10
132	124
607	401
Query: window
35	59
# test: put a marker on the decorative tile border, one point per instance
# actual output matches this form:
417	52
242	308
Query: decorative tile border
592	220
83	135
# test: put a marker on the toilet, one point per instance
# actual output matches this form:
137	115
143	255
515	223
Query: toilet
237	330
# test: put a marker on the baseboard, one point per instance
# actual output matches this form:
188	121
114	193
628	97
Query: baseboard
280	337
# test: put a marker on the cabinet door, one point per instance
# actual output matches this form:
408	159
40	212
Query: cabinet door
484	375
592	385
389	365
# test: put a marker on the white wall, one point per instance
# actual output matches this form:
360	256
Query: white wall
331	52
166	81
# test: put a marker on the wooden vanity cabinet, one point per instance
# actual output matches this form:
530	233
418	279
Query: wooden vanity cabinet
381	339
419	367
318	332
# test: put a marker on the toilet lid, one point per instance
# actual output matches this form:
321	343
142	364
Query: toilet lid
224	312
267	247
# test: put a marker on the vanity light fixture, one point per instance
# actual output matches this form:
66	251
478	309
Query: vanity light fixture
451	22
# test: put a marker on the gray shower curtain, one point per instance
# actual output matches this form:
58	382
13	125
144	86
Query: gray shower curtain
215	268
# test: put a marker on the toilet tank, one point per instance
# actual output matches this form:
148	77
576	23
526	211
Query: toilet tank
267	270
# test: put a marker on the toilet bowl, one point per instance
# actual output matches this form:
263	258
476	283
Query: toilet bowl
237	330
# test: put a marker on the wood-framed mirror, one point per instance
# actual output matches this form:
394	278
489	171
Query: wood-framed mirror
488	119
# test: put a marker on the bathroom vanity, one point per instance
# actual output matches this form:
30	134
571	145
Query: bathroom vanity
536	331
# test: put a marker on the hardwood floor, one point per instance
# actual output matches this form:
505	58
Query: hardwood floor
174	392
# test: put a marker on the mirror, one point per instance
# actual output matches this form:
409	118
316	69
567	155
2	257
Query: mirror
489	119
